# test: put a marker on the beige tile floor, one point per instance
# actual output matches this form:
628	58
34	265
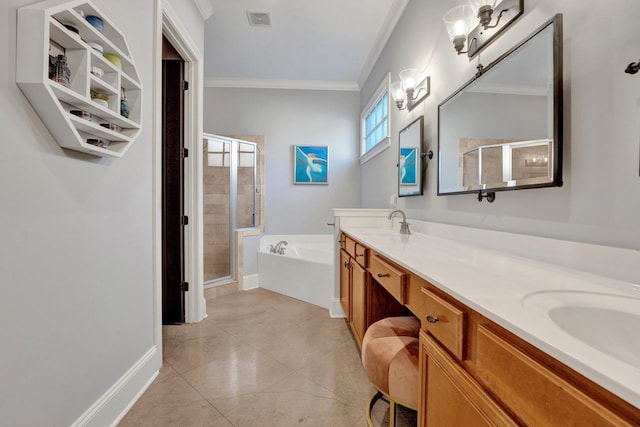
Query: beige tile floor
260	359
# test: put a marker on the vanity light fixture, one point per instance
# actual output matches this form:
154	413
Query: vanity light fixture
474	24
459	22
411	90
483	9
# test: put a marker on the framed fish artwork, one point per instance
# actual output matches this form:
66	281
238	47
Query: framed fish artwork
310	164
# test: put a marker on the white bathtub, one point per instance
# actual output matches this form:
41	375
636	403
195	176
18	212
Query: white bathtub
305	270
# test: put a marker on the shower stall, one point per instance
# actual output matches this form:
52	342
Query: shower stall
229	202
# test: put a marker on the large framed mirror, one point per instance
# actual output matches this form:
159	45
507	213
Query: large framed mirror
503	129
410	159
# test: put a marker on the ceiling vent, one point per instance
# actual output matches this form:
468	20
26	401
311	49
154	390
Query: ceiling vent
259	19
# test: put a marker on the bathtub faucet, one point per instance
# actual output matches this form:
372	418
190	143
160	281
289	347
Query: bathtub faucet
404	226
278	248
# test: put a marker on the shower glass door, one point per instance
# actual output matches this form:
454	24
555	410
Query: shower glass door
229	202
246	184
217	210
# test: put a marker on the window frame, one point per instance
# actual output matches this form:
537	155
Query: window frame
385	142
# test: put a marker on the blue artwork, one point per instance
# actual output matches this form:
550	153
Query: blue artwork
310	164
408	173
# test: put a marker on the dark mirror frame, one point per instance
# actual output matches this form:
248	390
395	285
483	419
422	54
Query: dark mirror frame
419	163
556	171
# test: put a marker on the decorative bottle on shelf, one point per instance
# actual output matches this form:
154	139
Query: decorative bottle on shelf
61	71
124	105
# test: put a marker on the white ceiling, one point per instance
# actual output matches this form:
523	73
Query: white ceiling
311	44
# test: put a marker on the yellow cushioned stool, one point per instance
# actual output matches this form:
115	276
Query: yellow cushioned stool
390	357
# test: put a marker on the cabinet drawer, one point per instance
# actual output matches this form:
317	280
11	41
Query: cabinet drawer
391	278
350	246
355	250
535	393
361	255
444	321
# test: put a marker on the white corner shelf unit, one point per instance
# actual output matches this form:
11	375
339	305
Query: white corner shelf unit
42	31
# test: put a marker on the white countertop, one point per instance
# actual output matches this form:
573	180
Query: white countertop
503	288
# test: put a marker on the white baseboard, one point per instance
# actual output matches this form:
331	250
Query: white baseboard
250	282
336	310
116	402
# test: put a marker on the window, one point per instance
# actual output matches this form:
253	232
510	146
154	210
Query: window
375	123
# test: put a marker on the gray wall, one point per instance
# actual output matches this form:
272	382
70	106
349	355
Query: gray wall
600	199
76	267
287	118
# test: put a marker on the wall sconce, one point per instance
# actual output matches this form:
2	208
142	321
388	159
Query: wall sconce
483	9
410	90
472	24
459	22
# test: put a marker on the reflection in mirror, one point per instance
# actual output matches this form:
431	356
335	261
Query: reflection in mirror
410	160
503	129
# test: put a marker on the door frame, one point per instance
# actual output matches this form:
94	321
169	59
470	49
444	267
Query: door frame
169	25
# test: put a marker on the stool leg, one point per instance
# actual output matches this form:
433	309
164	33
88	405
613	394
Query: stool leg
392	413
372	401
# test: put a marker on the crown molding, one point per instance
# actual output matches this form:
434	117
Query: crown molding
282	84
383	36
205	8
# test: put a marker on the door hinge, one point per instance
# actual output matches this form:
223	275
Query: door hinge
184	286
185	85
185	152
184	220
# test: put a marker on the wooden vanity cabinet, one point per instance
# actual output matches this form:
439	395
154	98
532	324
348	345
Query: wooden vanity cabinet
473	372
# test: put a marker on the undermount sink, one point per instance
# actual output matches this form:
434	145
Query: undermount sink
606	322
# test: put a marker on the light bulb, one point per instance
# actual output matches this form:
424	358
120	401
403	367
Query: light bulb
409	78
459	28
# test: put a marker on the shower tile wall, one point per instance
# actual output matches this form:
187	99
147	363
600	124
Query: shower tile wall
217	262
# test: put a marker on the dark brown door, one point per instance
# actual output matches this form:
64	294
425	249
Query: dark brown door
173	219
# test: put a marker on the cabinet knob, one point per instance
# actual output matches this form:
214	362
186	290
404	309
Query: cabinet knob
383	275
432	319
347	265
357	255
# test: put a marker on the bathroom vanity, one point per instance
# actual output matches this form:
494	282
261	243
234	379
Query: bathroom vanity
496	342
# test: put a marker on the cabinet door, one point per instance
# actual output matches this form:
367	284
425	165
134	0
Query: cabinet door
449	396
534	392
358	300
345	284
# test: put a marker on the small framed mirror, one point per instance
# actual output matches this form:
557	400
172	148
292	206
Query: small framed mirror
503	129
410	159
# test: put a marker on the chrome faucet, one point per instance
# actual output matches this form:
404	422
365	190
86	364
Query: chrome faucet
404	226
278	248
